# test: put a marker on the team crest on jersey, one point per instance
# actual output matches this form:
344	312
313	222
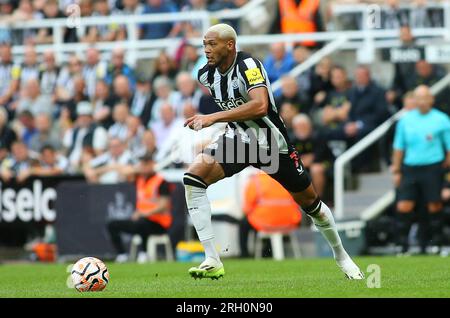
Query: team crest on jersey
234	83
229	103
254	76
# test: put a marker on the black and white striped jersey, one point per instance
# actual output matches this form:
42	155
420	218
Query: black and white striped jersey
230	90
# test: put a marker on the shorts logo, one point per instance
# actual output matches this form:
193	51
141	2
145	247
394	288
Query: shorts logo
254	76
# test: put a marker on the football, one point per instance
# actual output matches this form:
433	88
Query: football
89	274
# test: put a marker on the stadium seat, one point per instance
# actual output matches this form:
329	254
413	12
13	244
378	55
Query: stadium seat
276	242
152	244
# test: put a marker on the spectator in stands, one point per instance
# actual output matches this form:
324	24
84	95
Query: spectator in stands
287	113
17	165
159	30
51	163
102	111
423	17
404	59
143	99
394	17
278	62
298	16
262	196
48	74
65	82
421	151
148	144
93	70
33	100
119	67
46	134
165	94
85	134
105	32
335	108
315	154
24	12
112	166
27	126
290	93
135	133
164	65
162	128
321	81
120	128
9	74
30	66
45	35
300	55
193	28
132	7
6	11
7	135
188	93
121	91
152	215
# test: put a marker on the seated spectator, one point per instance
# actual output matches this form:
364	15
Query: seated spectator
7	135
152	215
162	128
132	7
164	94
187	93
33	101
112	166
78	95
263	195
9	74
16	166
321	81
148	144
24	12
48	74
29	69
290	93
159	30
120	128
102	111
421	16
188	59
6	11
50	164
46	134
394	17
278	62
93	70
300	55
65	82
335	108
26	127
143	99
193	28
135	133
287	113
104	32
45	35
119	67
164	66
85	134
315	154
121	93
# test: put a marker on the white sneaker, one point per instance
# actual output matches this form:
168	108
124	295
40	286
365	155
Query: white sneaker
122	258
350	269
142	258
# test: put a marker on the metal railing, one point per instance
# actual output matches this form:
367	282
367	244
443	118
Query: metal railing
363	144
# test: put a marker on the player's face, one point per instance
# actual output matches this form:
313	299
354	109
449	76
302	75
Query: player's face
216	49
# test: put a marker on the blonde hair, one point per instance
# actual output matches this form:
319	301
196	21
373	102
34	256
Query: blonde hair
224	31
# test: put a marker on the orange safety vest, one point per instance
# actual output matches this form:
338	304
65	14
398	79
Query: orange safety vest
147	195
299	19
268	206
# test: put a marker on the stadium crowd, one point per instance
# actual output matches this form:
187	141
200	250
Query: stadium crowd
97	117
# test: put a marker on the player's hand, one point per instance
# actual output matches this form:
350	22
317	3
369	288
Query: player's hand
198	121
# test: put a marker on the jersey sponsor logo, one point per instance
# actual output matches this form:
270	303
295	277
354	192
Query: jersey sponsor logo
254	76
230	103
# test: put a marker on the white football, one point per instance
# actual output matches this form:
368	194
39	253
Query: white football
89	274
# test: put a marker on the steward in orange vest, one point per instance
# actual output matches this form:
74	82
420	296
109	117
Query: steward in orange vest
153	208
298	16
268	207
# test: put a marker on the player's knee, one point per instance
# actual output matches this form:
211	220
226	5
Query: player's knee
405	206
434	207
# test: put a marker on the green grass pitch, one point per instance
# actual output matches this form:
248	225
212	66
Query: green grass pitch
400	277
